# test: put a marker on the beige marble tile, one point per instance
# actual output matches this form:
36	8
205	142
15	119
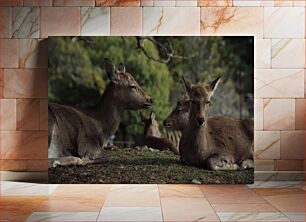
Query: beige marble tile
237	3
182	190
266	3
73	3
305	83
187	209
8	114
282	49
27	114
258	114
5	3
232	21
37	2
253	216
300	114
299	3
9	53
219	3
263	207
43	114
171	21
25	83
292	145
284	22
279	83
279	114
263	53
52	16
263	165
186	3
5	22
283	3
33	53
267	145
24	144
146	2
95	21
25	22
163	3
126	21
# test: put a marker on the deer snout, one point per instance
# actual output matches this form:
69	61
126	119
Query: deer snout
148	102
200	121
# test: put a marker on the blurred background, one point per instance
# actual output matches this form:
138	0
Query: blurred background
77	76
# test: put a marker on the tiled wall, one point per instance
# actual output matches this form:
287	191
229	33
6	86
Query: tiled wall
279	28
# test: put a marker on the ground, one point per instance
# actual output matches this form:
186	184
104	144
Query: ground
130	165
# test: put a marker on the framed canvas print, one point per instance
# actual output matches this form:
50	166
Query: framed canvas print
151	109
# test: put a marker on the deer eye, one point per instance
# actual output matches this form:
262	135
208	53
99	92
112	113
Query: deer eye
208	102
132	86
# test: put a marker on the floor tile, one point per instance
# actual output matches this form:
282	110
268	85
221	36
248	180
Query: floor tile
251	216
130	214
296	216
133	196
63	216
276	184
182	190
9	188
187	209
263	207
14	208
98	191
230	194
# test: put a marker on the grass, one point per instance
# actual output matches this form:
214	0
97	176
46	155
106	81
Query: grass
146	166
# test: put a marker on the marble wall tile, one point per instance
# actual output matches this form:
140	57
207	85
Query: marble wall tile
25	22
258	114
267	145
263	53
27	114
171	21
37	165
95	21
126	21
300	114
1	83
282	49
237	3
220	3
266	3
284	3
186	3
289	165
37	2
305	83
279	114
74	3
33	53
63	216
118	3
254	216
232	21
8	53
263	165
52	16
5	3
292	145
13	165
264	207
180	191
275	83
43	114
25	83
8	114
278	19
24	144
299	3
163	3
5	22
146	2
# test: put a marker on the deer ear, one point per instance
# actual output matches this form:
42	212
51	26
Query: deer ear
111	70
143	117
187	84
121	68
152	115
214	84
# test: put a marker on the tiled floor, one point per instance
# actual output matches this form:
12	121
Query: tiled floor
263	201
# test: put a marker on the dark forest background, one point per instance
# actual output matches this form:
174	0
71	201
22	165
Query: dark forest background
77	76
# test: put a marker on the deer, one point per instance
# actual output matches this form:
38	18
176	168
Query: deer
77	136
152	137
214	143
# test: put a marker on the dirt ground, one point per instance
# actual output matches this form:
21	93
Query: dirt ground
133	166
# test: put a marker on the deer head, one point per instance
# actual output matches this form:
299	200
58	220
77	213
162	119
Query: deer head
200	99
178	118
127	92
150	125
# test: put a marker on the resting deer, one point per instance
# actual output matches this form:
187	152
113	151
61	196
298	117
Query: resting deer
77	136
152	137
214	142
